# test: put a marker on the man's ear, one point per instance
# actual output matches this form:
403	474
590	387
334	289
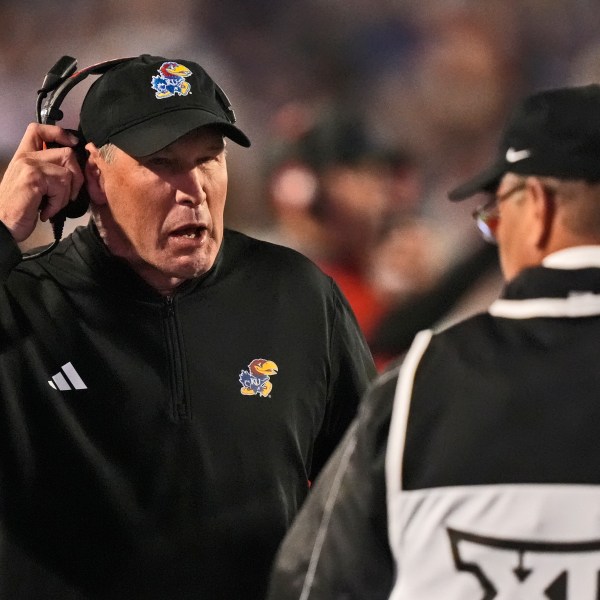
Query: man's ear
93	175
543	209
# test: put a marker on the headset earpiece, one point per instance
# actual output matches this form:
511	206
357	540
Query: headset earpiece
59	80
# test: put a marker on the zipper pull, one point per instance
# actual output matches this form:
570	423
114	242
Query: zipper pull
169	306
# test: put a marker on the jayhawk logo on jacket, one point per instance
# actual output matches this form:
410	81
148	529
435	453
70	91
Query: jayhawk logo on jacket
171	80
255	381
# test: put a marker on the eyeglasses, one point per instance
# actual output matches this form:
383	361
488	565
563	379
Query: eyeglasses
487	216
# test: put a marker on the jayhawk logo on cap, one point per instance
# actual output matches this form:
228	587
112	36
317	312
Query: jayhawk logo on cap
256	380
171	80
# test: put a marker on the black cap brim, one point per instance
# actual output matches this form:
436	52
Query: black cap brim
486	181
157	132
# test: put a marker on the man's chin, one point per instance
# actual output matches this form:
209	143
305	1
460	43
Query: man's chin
167	276
190	268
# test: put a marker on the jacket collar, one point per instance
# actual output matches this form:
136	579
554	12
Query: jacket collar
578	257
566	285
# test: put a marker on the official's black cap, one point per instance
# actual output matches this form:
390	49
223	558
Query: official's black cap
148	102
552	133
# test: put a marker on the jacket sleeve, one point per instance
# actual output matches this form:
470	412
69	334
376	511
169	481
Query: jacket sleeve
10	255
351	371
338	545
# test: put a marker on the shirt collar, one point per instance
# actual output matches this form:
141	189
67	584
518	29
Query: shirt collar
576	257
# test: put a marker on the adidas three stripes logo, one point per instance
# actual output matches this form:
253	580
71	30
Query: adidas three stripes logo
67	375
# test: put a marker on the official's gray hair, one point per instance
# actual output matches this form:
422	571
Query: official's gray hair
580	201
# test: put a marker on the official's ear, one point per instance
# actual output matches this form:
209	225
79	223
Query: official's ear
544	210
93	175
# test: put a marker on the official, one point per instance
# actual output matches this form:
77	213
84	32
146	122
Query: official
472	469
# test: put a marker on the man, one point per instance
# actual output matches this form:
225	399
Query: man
471	471
169	388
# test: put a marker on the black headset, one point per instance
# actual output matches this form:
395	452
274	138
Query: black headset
59	80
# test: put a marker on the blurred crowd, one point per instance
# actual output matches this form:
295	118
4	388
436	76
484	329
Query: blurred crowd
362	115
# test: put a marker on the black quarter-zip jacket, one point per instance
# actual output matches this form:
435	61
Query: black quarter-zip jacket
143	452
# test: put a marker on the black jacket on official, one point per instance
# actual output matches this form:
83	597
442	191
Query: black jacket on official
143	453
472	469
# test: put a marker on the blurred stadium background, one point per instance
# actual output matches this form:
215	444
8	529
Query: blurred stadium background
362	114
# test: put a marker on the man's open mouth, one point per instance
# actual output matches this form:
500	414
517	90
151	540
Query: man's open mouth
190	232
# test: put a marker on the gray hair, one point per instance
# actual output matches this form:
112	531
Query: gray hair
580	204
107	152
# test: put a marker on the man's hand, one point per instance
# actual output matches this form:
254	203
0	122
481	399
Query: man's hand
34	174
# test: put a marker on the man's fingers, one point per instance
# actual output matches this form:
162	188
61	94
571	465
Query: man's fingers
37	187
66	157
38	181
37	135
60	157
57	185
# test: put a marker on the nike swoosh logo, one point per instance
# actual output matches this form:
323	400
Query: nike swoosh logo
513	155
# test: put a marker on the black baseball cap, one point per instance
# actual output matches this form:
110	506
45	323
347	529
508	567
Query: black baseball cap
552	133
146	103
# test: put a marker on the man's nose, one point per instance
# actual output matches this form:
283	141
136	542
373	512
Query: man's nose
190	188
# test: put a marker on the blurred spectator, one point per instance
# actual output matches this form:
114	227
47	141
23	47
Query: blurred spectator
352	206
474	281
403	262
293	186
